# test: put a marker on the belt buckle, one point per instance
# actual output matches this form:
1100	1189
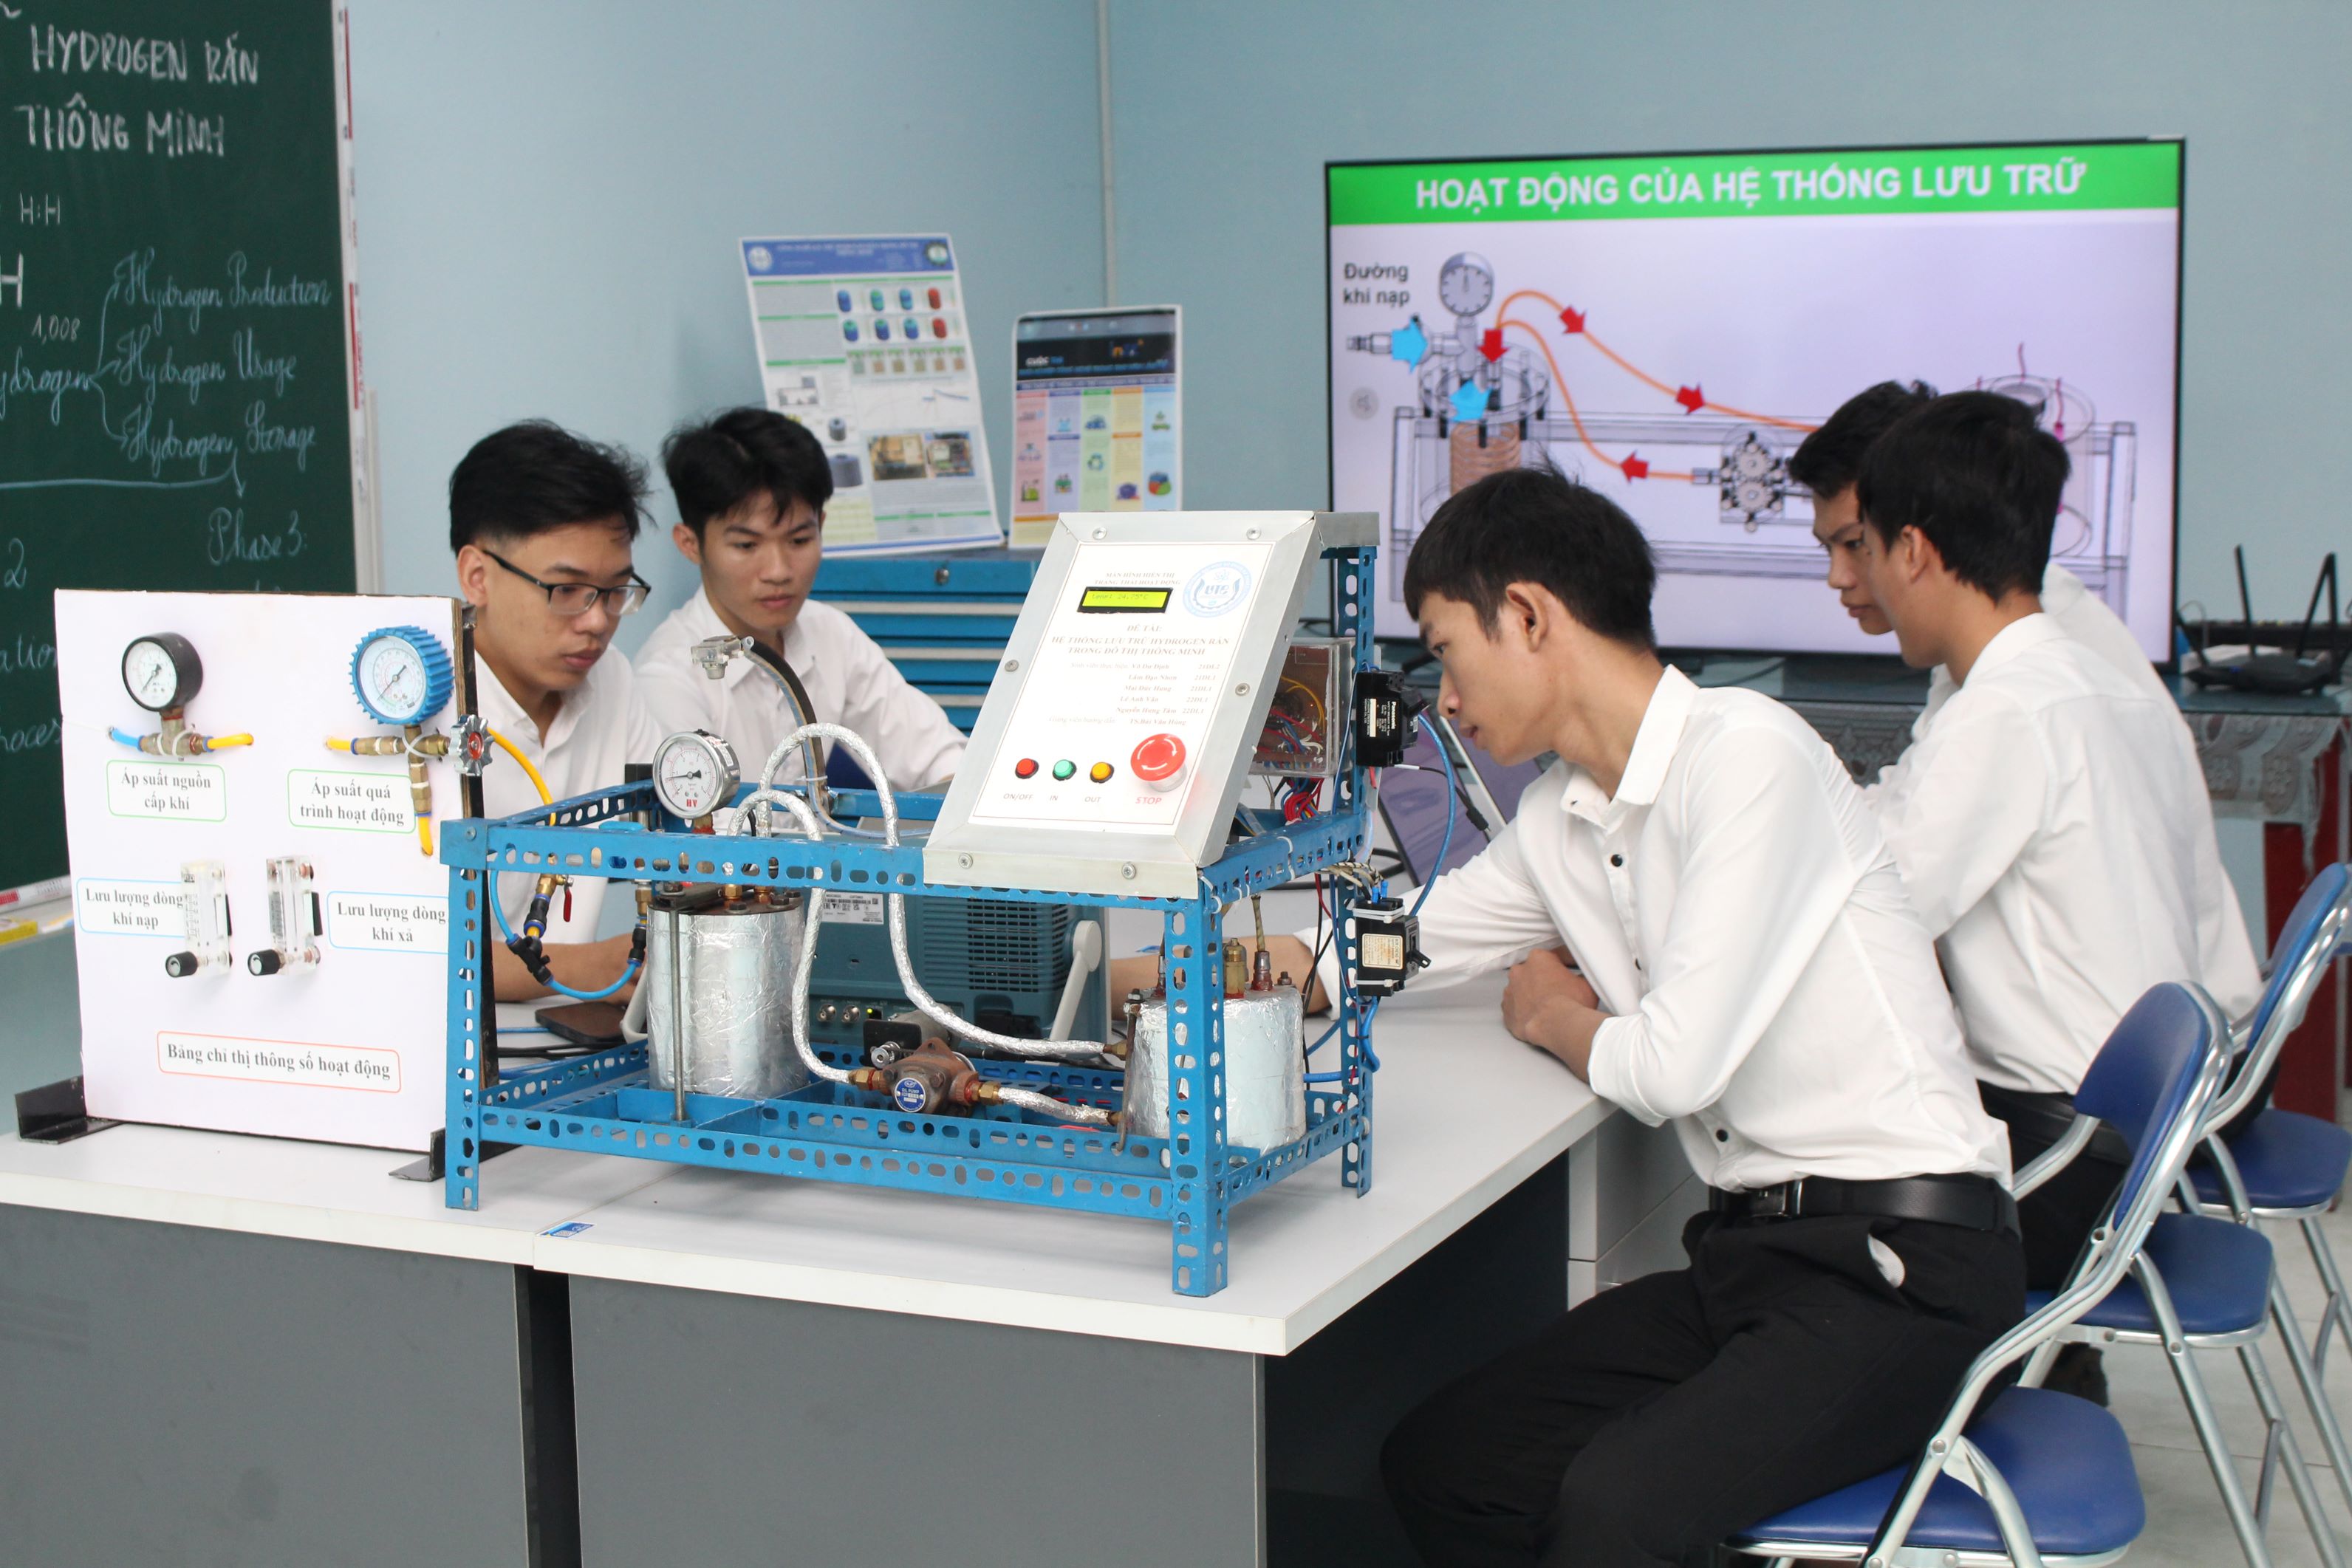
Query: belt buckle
1782	1201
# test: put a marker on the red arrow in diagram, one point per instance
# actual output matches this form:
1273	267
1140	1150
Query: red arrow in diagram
1691	398
1635	468
1491	345
1572	319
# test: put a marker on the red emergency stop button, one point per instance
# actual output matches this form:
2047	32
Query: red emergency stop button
1157	759
1026	769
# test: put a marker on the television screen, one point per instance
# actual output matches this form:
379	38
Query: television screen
1667	328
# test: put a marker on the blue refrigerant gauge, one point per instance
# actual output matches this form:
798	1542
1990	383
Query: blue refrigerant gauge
402	675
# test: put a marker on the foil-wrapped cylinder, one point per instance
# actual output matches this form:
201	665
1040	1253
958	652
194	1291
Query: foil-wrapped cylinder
1264	1068
735	972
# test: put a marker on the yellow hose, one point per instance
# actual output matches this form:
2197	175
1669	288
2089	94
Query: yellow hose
425	835
223	742
335	744
536	781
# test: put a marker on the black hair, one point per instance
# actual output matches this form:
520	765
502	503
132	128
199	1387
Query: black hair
1976	473
1531	524
536	476
717	466
1828	461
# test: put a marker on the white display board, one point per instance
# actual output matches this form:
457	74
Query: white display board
868	343
346	1051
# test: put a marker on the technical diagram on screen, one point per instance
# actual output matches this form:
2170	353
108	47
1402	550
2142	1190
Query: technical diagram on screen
1669	329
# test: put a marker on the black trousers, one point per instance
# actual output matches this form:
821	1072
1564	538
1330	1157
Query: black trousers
1660	1416
2059	1215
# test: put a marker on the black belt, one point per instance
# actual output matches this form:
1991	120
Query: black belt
2049	1117
1973	1202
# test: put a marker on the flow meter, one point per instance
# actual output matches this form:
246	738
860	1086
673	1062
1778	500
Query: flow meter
695	773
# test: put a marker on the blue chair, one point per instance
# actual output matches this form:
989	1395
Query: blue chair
2050	1476
2283	1166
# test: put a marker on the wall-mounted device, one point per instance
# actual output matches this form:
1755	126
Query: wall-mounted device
162	674
403	677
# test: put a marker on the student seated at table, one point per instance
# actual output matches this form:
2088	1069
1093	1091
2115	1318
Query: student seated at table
751	488
1751	973
1829	464
2051	824
541	521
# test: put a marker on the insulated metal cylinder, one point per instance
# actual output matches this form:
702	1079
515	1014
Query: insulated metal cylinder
734	992
1264	1066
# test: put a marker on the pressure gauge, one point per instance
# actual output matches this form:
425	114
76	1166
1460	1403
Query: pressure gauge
402	675
1465	284
695	773
161	672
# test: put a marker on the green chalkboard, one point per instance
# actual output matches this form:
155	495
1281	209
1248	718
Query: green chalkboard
177	380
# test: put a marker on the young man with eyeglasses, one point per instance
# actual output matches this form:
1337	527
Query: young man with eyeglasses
541	523
752	487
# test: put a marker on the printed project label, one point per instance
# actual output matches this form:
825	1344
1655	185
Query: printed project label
388	921
171	791
352	802
290	1062
853	908
128	908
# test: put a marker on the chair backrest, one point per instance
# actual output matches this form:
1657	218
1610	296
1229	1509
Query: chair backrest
2314	928
2147	1075
2306	945
2153	1081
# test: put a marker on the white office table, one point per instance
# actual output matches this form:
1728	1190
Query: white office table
762	1368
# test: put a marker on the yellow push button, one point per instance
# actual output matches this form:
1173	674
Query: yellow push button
1100	773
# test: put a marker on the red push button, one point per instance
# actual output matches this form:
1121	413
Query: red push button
1157	759
1026	769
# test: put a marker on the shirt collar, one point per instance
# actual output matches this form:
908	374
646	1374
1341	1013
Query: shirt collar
2016	640
1654	743
702	619
498	705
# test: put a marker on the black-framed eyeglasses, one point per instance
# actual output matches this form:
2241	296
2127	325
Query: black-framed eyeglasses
569	599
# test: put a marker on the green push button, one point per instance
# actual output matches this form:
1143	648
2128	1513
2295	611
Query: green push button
1063	768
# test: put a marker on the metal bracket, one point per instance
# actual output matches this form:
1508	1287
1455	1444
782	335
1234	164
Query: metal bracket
55	1113
430	1164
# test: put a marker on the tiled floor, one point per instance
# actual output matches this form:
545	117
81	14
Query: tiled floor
2186	1525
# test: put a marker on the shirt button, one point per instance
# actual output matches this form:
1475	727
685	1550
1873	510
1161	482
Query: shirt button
1616	859
1722	1136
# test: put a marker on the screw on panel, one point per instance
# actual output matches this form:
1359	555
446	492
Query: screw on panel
1242	690
1011	666
1100	532
1128	871
964	861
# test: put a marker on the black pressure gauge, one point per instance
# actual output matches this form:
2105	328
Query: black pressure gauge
161	672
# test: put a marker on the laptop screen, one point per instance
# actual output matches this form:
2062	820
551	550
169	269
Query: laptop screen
1414	806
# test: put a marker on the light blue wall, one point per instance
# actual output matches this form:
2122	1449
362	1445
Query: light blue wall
550	195
1224	111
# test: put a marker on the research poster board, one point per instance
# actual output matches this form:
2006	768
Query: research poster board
1097	416
263	941
868	343
1668	329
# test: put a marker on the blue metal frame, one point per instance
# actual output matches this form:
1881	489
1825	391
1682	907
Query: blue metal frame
1189	1180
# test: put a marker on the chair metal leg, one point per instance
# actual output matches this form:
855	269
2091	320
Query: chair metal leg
2200	1414
2306	1377
2338	1313
2280	1446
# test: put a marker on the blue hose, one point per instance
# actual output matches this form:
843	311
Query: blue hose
1452	809
497	909
123	738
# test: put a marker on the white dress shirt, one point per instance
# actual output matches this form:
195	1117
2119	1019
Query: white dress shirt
600	729
848	678
2045	821
2226	962
1735	908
